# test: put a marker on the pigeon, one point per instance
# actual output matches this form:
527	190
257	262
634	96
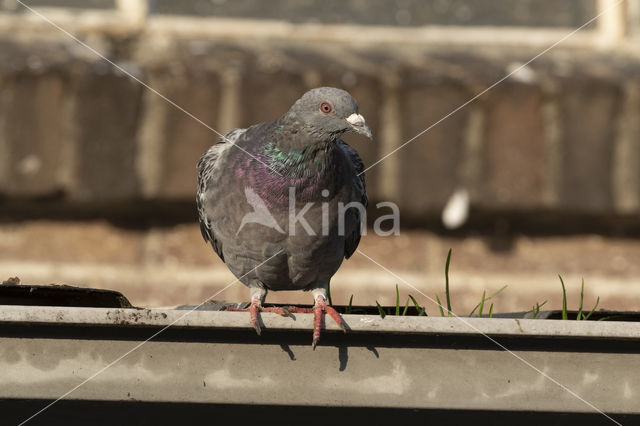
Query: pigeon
283	203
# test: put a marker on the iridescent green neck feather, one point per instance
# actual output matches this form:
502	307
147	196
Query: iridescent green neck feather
298	163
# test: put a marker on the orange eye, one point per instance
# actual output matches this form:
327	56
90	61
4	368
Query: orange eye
326	107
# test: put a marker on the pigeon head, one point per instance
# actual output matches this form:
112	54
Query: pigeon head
328	113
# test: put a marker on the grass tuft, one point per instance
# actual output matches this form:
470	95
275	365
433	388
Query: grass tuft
580	316
535	310
421	311
480	305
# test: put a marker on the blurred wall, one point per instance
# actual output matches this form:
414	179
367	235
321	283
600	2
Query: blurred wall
560	135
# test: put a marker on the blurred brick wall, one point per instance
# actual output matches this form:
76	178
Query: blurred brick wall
562	136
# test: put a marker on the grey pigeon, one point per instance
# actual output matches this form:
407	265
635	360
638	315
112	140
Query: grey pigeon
273	200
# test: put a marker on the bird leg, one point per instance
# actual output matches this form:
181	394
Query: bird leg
256	306
320	308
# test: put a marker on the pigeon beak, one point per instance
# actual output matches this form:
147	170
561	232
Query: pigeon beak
359	125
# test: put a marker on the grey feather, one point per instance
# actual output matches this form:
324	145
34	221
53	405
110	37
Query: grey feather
206	166
353	239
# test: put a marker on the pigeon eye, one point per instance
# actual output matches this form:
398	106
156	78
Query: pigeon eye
325	107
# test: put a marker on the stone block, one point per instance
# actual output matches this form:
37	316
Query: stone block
514	148
32	112
589	109
428	166
266	96
107	107
541	13
186	139
70	242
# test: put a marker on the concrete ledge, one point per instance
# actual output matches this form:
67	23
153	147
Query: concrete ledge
101	355
10	314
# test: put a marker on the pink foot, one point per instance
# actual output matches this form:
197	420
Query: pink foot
318	310
255	307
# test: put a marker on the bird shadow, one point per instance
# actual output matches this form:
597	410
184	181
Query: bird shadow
343	355
343	349
374	351
287	349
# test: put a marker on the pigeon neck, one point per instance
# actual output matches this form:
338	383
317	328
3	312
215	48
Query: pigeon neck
299	161
309	170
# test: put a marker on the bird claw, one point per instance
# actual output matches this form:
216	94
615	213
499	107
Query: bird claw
253	312
256	307
256	327
336	317
321	307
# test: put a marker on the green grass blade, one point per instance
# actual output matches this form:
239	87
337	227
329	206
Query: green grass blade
497	292
397	301
593	310
406	306
580	314
380	310
440	306
488	298
484	294
491	311
446	277
421	310
474	310
564	300
610	317
350	306
536	309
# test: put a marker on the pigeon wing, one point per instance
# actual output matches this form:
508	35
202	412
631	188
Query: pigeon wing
353	215
207	165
